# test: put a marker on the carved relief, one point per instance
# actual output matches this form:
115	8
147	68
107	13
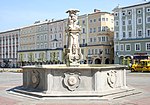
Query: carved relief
111	78
35	77
71	80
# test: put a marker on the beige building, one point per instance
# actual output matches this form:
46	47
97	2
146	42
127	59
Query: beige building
56	45
46	41
83	38
33	43
100	37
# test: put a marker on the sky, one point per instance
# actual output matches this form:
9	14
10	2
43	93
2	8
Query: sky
19	13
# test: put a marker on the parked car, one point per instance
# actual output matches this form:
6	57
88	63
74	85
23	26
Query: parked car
142	65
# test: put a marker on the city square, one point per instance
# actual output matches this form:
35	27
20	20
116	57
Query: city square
96	58
9	80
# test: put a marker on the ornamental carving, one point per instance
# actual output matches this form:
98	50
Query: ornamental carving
74	55
72	80
111	78
35	77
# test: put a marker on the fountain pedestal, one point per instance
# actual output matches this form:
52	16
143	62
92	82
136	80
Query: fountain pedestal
84	81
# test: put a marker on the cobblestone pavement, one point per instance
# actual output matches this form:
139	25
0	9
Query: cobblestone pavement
140	81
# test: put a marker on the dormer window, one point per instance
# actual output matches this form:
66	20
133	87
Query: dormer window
148	9
139	11
123	13
129	12
116	14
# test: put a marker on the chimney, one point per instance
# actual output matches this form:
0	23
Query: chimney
97	10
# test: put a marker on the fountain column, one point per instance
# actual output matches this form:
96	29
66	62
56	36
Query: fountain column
73	51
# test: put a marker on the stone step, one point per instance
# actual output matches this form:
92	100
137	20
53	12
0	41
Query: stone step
123	94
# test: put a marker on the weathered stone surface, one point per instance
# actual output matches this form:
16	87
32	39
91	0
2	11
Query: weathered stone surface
73	50
74	81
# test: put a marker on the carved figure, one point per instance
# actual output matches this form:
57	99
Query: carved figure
73	50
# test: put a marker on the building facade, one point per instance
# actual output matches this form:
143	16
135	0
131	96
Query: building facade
56	41
45	41
132	32
9	47
33	43
100	37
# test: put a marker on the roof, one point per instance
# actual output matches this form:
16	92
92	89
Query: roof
130	6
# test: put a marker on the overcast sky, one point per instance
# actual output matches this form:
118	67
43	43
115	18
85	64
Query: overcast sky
18	13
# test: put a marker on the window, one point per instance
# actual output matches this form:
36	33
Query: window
103	28
41	37
124	34
99	39
116	14
92	51
130	34
103	38
106	38
128	47
37	37
148	32
95	51
60	44
112	20
83	41
90	21
99	29
56	44
129	12
94	20
117	35
94	30
137	46
107	51
90	30
89	51
139	33
103	19
123	22
41	45
117	23
83	30
148	9
121	47
94	39
90	39
139	11
148	20
139	20
106	19
129	22
148	46
59	35
117	47
123	13
57	54
45	45
45	36
83	22
99	19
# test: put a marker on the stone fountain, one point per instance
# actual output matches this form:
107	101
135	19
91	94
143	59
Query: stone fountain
73	80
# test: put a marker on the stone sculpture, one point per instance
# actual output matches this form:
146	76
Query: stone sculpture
73	51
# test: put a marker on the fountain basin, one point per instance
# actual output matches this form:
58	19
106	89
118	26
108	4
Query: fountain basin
62	81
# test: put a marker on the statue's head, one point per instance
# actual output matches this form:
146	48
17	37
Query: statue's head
72	11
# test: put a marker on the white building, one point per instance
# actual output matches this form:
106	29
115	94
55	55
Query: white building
132	32
9	48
